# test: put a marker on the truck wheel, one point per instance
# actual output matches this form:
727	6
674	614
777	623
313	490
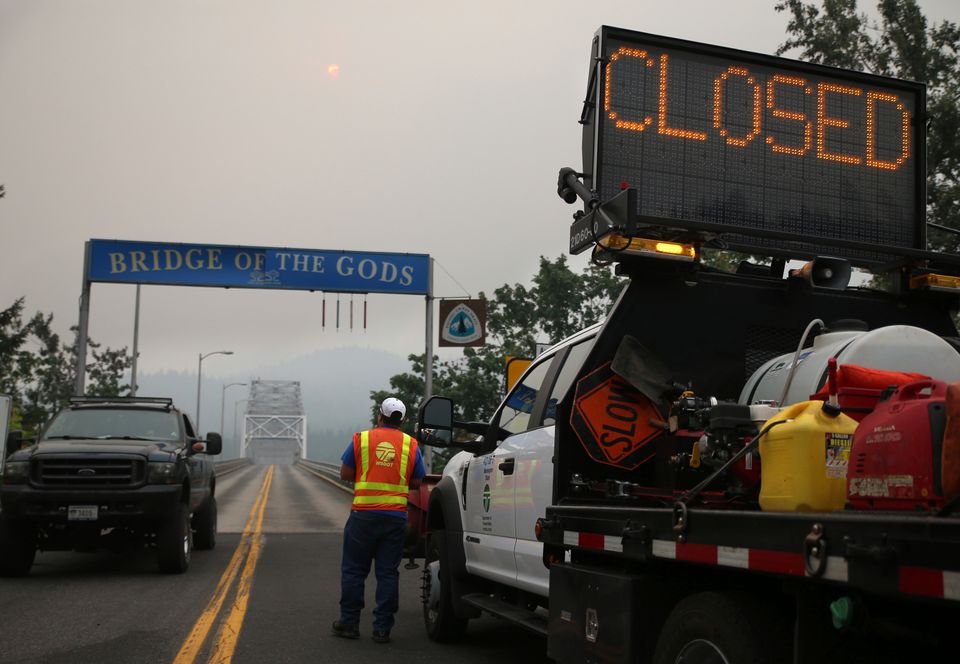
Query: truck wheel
442	623
18	546
205	526
173	542
712	628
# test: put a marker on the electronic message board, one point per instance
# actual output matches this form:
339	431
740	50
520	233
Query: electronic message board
719	136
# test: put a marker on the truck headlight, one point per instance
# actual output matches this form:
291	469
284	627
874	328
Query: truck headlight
16	472
161	472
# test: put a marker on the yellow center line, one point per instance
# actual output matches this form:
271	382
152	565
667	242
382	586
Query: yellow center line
229	632
198	635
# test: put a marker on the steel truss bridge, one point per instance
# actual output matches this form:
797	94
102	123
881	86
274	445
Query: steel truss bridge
274	425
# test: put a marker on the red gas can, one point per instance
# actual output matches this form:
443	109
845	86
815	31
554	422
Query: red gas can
896	456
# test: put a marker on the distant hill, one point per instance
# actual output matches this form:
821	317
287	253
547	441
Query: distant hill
335	384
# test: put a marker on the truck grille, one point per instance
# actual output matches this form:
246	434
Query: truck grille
88	472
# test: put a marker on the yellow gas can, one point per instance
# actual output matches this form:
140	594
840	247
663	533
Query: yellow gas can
803	462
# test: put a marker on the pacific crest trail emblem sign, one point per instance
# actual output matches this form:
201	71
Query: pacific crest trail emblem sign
463	322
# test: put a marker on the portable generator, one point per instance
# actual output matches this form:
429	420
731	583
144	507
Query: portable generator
895	463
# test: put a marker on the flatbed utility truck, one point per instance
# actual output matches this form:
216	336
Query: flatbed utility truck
756	465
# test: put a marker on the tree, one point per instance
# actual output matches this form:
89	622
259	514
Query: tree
901	44
105	371
41	381
558	303
13	334
47	384
409	388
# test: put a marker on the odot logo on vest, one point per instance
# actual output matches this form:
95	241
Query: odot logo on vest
386	454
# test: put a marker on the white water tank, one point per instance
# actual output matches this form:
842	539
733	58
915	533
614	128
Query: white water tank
896	348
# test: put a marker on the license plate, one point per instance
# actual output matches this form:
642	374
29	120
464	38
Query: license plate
82	513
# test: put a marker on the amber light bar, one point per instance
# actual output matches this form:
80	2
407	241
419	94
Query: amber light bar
639	246
939	282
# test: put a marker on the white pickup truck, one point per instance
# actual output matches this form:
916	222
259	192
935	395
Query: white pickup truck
484	511
615	501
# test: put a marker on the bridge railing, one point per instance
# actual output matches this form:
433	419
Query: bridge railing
327	471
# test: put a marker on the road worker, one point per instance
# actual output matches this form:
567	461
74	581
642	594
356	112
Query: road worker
383	463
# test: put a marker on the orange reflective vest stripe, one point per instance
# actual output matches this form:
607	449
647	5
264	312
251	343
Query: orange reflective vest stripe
385	458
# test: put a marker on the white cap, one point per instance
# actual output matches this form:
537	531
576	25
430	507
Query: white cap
393	405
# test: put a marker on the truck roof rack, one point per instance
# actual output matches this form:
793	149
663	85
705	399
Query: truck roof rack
163	401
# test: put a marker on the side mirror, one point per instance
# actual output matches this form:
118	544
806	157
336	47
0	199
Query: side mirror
214	443
435	425
14	442
435	422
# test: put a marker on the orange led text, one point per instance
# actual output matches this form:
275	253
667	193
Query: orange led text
790	114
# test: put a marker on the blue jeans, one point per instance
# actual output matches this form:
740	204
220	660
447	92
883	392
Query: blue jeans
367	538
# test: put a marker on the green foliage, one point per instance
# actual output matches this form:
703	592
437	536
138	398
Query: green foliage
558	303
13	334
469	381
48	377
106	370
41	379
729	261
904	45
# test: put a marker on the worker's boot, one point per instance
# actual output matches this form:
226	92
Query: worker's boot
345	631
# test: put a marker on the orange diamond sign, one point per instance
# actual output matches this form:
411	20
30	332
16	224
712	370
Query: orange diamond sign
612	420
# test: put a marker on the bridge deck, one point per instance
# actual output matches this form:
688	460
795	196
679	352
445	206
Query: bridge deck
97	607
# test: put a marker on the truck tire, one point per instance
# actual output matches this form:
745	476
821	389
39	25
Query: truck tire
439	617
174	542
715	628
18	547
205	526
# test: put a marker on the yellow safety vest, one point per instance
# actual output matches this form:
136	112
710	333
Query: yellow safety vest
383	470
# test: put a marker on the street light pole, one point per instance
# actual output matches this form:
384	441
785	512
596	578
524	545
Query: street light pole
223	393
136	349
235	427
202	356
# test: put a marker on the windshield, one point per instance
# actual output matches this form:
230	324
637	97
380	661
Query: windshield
114	424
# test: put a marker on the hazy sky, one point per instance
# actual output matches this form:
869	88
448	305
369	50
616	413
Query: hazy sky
217	121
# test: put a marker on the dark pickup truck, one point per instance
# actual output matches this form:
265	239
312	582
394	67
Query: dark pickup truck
109	473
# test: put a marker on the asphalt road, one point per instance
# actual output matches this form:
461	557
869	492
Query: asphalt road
276	606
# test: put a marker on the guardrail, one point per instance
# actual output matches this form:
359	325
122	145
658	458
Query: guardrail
321	465
326	471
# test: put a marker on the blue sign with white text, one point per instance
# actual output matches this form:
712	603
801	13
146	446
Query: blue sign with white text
175	264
